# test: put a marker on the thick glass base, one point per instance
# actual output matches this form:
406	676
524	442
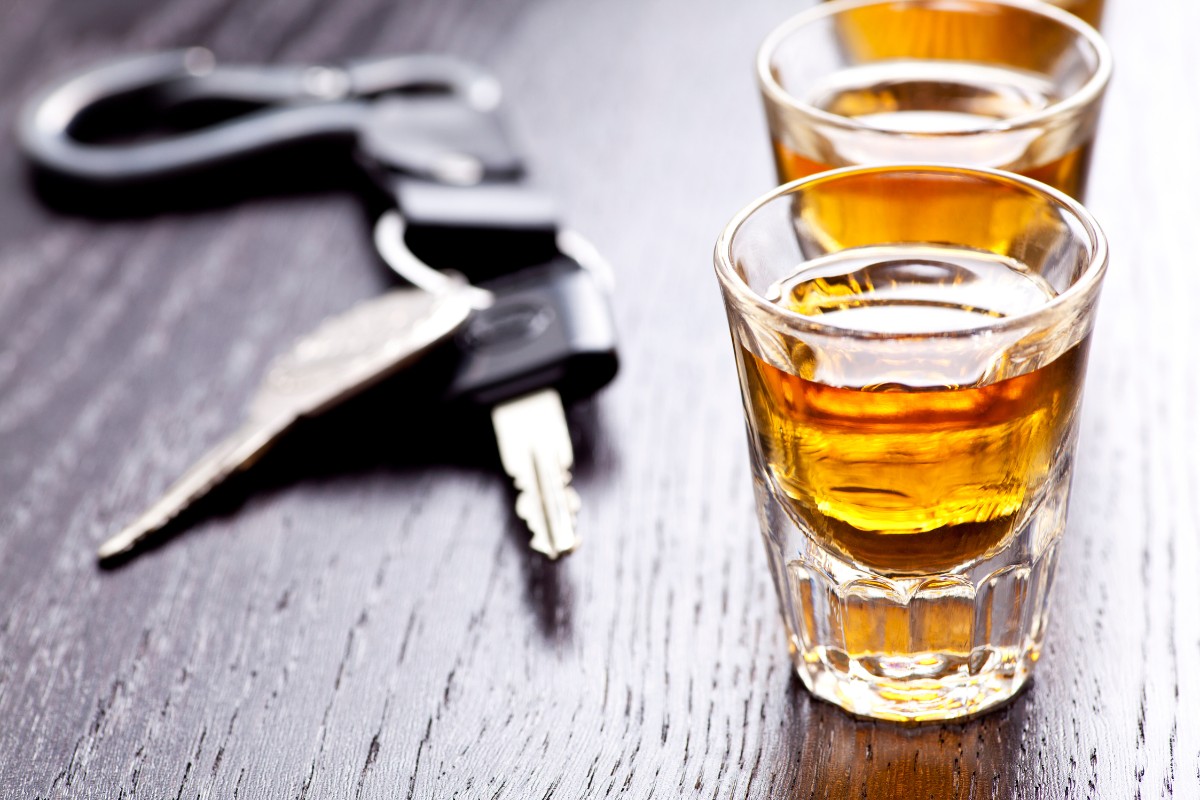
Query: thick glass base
950	692
916	648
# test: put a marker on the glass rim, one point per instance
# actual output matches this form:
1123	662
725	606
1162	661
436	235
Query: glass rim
1085	95
1080	288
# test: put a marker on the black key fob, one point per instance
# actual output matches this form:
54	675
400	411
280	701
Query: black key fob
549	327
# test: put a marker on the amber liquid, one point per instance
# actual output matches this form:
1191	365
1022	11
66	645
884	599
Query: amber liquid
912	470
1089	11
1000	35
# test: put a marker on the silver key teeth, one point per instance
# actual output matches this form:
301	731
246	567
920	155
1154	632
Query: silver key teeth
535	449
550	516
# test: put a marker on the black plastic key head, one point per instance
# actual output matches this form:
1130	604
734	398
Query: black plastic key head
550	326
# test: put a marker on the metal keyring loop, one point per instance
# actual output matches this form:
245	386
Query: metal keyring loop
389	242
289	104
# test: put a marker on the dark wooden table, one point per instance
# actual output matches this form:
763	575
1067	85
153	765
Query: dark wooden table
362	618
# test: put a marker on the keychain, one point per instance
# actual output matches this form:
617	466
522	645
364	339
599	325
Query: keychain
525	303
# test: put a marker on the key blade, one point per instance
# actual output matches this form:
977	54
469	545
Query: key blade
235	452
535	450
360	347
341	357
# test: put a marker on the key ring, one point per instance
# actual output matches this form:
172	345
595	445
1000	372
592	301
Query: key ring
389	243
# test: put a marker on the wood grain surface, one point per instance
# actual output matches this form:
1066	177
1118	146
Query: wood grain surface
360	616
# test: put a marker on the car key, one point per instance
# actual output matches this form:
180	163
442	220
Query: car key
343	356
547	336
427	133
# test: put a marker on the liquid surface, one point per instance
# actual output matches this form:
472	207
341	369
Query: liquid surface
927	95
920	475
912	289
908	96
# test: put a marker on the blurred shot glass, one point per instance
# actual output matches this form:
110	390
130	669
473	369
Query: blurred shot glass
1004	84
911	389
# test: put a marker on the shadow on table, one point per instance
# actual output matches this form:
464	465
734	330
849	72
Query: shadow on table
401	427
299	170
832	754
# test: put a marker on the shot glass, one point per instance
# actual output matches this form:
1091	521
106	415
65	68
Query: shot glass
911	388
1005	84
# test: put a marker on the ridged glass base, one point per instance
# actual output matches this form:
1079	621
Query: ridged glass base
916	648
952	691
